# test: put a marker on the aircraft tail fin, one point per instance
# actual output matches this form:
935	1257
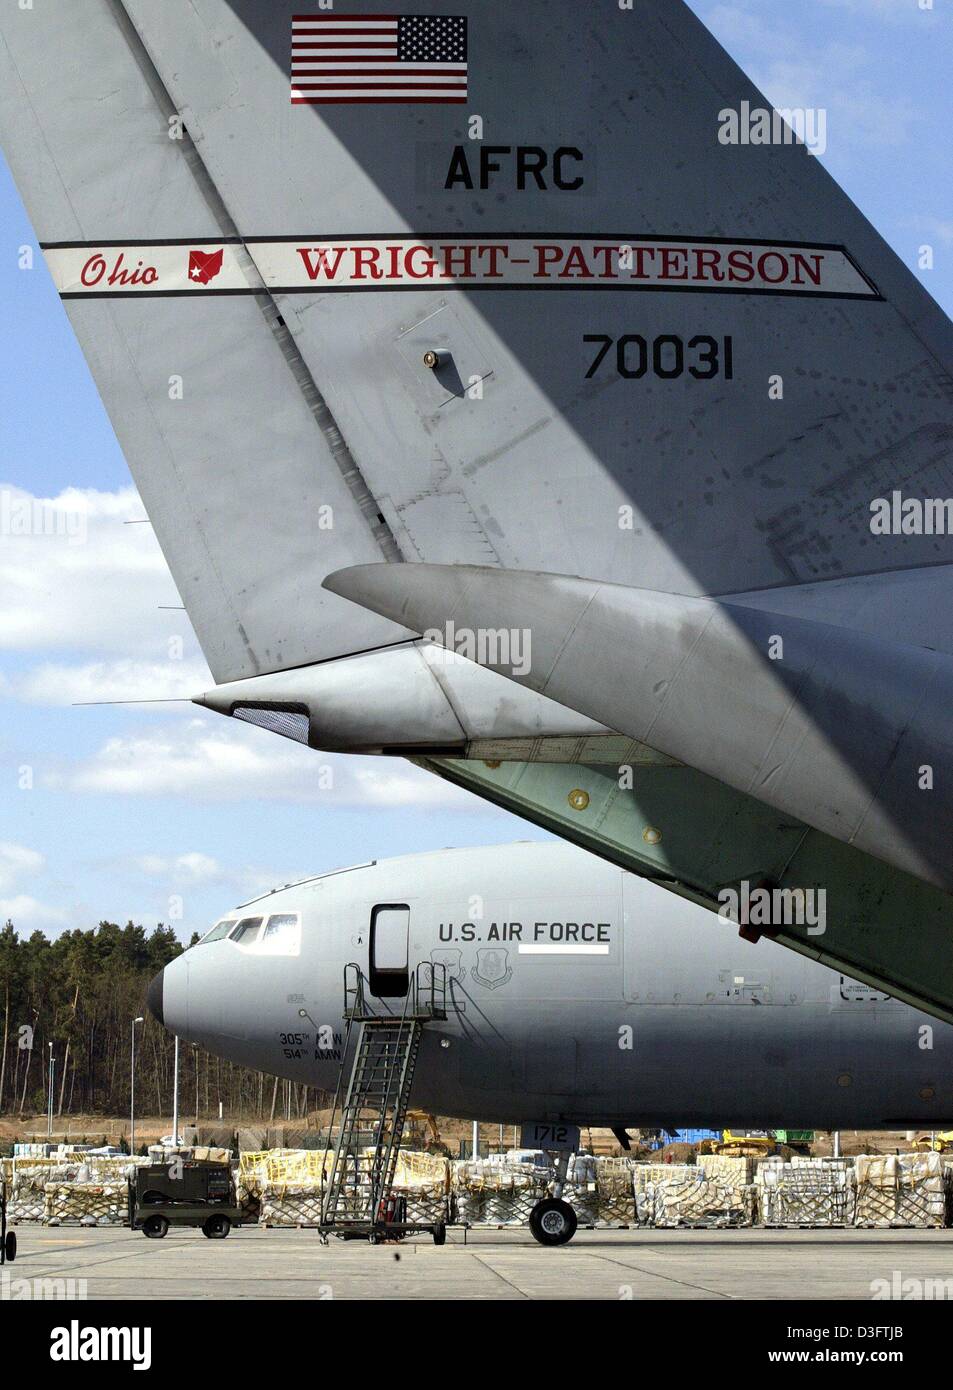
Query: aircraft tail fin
554	306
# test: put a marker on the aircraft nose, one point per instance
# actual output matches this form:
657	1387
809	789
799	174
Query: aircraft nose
154	997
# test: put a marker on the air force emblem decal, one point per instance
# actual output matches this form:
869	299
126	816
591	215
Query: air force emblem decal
492	967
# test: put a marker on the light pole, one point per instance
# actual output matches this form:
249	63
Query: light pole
132	1087
49	1113
175	1097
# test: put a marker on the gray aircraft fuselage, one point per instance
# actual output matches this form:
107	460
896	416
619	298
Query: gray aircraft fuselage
576	992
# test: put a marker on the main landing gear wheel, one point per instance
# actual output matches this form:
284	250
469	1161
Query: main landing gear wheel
217	1227
155	1227
552	1222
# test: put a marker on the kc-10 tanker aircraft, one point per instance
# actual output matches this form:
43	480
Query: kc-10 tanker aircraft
576	992
548	416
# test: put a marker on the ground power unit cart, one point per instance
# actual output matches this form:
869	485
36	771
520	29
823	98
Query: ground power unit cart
183	1193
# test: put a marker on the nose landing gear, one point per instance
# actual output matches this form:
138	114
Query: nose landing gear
552	1222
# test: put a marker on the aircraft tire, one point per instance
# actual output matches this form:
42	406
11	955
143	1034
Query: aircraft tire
552	1222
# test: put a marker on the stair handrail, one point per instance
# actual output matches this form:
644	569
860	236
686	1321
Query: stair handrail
426	995
381	1162
329	1189
436	970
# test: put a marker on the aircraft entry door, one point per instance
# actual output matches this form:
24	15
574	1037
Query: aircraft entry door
390	929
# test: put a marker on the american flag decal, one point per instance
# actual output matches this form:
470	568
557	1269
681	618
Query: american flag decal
377	58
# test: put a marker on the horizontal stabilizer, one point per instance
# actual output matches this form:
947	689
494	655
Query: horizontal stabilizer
835	727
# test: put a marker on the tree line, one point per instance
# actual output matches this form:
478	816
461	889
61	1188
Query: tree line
80	992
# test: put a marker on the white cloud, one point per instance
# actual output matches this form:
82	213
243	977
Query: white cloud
194	869
75	576
80	574
26	912
15	861
218	761
124	679
193	866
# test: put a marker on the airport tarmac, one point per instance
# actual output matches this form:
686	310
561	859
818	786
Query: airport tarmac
642	1264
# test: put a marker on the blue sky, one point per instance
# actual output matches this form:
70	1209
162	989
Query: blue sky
144	811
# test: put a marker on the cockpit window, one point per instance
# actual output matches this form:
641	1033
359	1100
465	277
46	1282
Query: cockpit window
277	935
247	930
220	929
281	931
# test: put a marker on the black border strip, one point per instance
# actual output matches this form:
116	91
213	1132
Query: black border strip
154	241
624	238
874	298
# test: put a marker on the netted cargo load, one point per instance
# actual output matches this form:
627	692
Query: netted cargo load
290	1166
108	1167
423	1181
90	1204
250	1183
811	1192
288	1184
600	1190
426	1205
188	1153
26	1200
644	1179
581	1188
690	1197
251	1169
497	1194
422	1170
248	1199
877	1189
735	1168
616	1191
467	1196
27	1179
13	1166
291	1204
70	1187
911	1189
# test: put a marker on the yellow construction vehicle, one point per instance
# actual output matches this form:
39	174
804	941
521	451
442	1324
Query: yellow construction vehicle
939	1143
753	1144
418	1120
